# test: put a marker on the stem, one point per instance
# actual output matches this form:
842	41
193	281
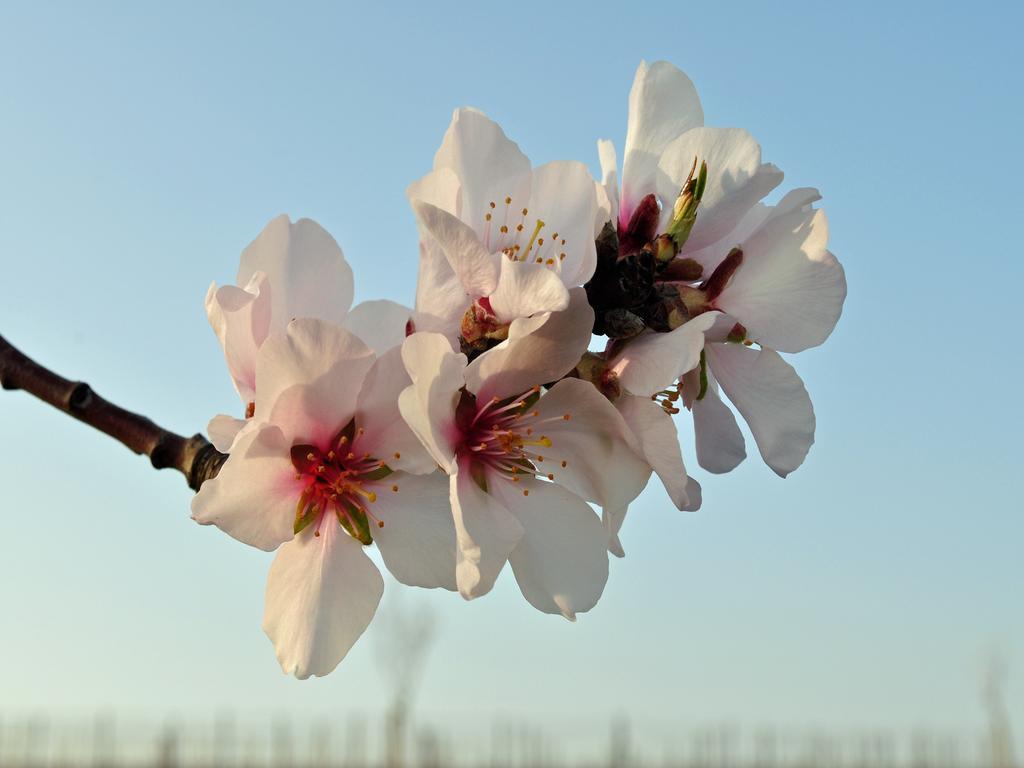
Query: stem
195	457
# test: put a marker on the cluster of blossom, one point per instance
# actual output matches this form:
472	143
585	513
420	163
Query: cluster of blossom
478	428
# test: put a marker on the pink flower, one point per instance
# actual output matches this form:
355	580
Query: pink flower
330	468
524	459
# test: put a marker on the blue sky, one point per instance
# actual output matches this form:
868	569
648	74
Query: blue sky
141	148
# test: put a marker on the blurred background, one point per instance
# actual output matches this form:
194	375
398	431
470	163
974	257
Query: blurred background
865	611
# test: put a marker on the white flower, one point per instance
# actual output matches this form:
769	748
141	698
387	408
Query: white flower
766	269
331	466
523	462
665	135
500	239
290	270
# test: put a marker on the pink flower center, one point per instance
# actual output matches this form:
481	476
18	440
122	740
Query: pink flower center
339	479
505	438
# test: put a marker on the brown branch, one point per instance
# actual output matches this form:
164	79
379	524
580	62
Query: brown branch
195	457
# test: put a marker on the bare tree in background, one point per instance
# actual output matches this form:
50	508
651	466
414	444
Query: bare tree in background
404	636
1000	732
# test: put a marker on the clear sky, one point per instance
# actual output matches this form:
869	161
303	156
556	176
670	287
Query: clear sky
142	146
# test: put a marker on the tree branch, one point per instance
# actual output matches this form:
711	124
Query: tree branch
195	457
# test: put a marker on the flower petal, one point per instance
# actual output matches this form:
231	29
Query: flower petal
538	350
656	433
561	562
253	496
476	268
223	430
610	182
488	165
720	444
525	289
612	520
789	290
441	301
771	397
322	593
592	452
241	319
380	324
564	196
312	353
710	256
653	361
417	541
737	179
385	433
428	404
662	104
307	271
486	532
440	187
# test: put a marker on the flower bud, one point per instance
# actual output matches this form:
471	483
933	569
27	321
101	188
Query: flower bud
723	273
684	212
642	227
665	249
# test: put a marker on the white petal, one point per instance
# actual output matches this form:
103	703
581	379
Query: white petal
720	444
538	350
253	497
440	187
737	179
380	324
659	441
386	436
488	165
612	520
486	532
308	379
602	461
428	404
476	268
771	397
789	290
561	562
525	289
223	430
241	319
662	104
711	255
609	180
307	271
304	352
564	197
322	593
441	301
653	361
417	541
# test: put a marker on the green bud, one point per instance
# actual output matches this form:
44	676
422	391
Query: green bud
684	212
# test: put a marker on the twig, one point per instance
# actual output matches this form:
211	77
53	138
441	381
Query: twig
195	457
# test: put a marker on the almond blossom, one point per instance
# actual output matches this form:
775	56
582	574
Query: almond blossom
330	469
292	269
709	245
665	134
524	459
500	240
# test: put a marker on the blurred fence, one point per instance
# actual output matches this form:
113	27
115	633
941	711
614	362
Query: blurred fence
386	743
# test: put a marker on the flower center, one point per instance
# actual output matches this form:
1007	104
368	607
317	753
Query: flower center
517	239
504	438
339	479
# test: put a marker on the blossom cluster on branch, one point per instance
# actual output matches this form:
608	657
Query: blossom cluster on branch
478	428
